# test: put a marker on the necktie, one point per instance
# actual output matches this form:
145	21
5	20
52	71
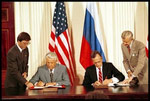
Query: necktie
128	48
100	76
51	75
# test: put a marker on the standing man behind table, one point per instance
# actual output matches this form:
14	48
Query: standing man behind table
134	58
17	63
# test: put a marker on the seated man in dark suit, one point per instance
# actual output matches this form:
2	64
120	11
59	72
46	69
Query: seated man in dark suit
101	72
51	73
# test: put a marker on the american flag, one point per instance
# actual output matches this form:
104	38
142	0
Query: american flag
60	40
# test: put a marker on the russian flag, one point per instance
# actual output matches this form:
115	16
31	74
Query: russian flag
92	36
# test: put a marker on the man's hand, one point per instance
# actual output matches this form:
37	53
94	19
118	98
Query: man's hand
51	84
126	81
24	75
40	84
97	83
29	84
134	81
107	81
129	74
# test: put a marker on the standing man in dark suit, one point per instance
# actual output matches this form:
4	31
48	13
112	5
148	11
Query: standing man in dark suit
17	63
101	72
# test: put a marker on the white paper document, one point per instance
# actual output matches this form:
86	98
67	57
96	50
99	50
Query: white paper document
118	84
57	86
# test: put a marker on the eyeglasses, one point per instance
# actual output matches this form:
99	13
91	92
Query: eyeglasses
26	42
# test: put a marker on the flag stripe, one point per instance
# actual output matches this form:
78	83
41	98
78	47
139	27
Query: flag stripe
51	41
86	61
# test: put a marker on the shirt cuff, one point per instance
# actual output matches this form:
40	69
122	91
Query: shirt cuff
133	75
57	84
35	83
115	80
128	70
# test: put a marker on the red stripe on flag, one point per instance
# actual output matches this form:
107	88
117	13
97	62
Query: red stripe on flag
52	38
85	54
53	35
51	48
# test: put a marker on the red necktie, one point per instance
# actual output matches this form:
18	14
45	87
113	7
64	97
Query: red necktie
128	48
100	76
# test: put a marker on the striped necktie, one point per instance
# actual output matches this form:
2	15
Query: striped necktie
100	76
51	75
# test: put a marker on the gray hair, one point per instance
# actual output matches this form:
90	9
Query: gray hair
51	55
128	34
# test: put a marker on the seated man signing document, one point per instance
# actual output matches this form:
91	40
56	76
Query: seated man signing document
51	73
101	73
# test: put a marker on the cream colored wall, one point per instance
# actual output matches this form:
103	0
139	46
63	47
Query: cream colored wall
141	21
115	17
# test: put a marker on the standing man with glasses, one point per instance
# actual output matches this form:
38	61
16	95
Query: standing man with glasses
134	58
51	73
17	63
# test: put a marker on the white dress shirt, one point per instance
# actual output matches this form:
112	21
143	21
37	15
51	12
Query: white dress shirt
19	47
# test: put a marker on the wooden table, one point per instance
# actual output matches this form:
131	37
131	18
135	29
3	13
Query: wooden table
78	92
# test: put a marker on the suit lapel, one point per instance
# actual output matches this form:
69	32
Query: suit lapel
94	74
126	52
47	74
19	59
104	71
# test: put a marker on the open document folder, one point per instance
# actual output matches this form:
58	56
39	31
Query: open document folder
49	86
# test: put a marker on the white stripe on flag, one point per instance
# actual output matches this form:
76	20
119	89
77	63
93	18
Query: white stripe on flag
69	40
93	10
62	37
62	53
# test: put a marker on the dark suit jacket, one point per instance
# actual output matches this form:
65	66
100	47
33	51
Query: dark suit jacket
17	64
108	72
